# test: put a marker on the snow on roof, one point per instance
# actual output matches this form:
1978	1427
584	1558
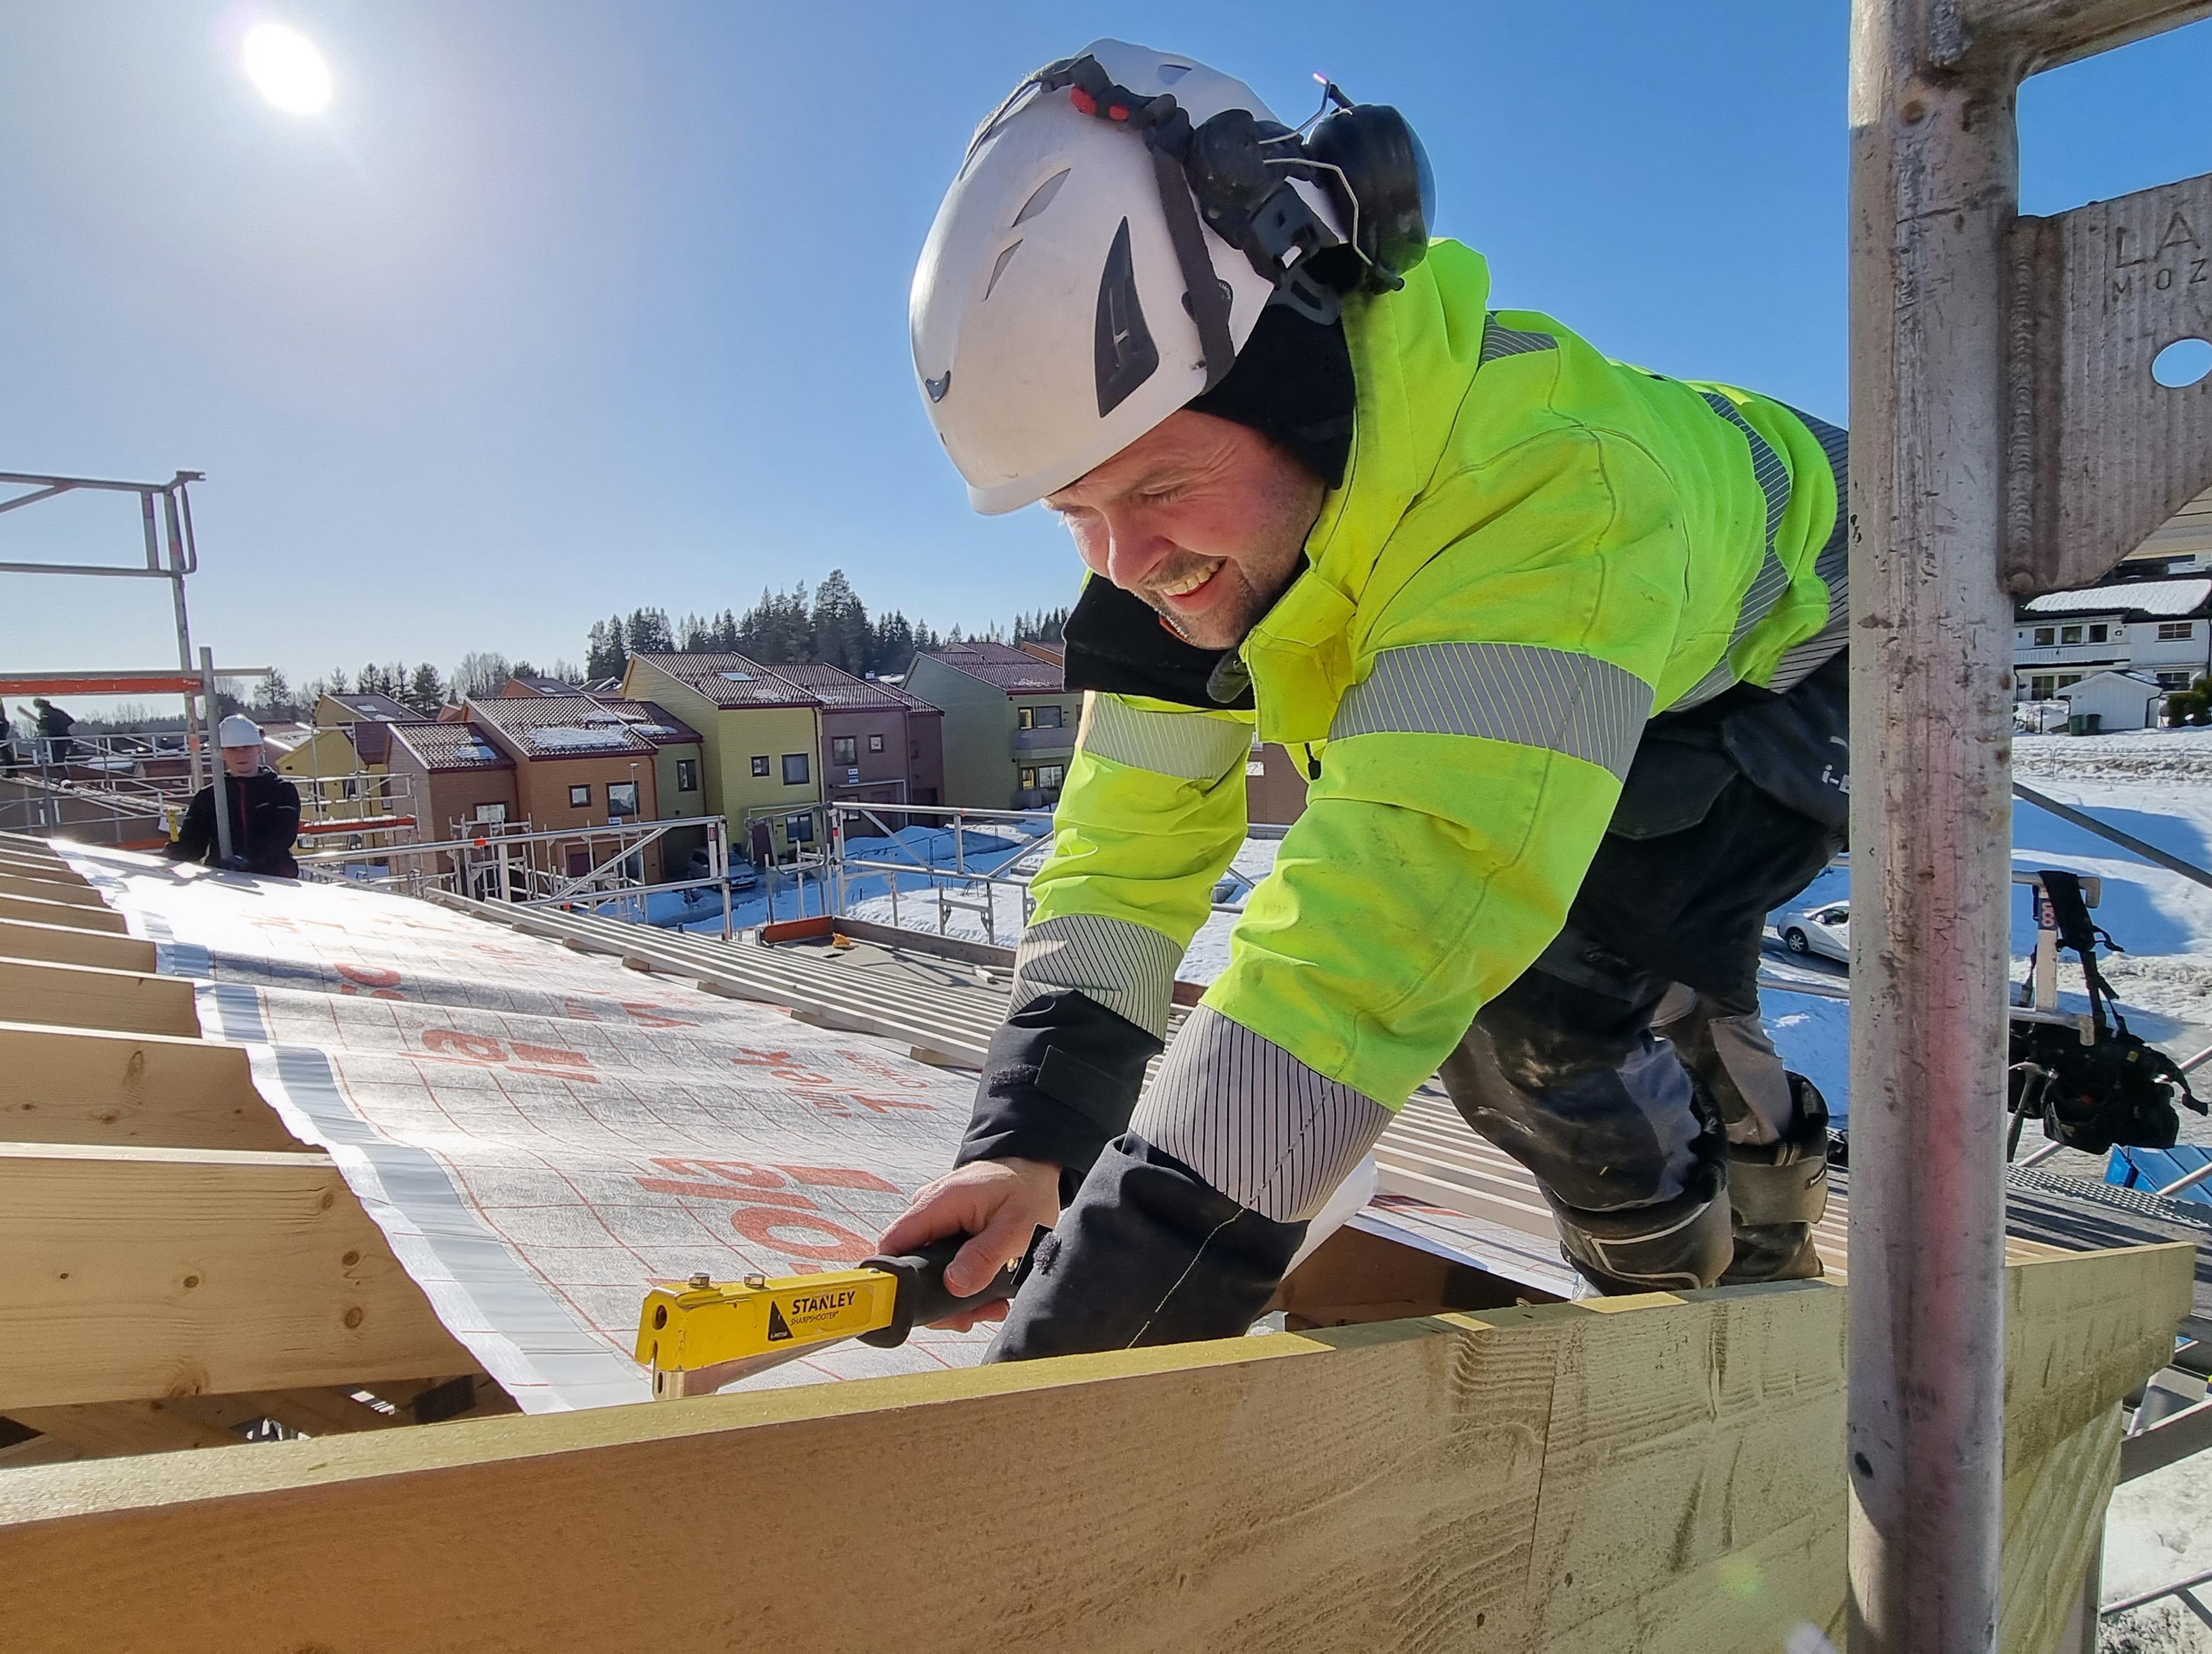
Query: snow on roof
568	737
2172	599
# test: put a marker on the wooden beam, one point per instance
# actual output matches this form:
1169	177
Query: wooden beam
1193	1503
23	939
23	866
41	911
107	1429
89	1086
1650	1473
86	996
75	891
134	1272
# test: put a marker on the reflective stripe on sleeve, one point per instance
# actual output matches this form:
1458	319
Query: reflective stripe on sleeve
1561	701
1268	1131
1127	968
1188	745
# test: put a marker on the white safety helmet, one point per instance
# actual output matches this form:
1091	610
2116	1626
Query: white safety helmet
1048	316
238	730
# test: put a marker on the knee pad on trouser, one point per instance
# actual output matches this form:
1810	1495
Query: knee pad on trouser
1148	1253
1670	1246
1777	1191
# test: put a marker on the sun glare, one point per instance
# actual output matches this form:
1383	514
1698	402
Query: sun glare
286	67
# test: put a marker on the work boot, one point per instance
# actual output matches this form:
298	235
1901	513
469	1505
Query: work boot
1777	1191
1148	1253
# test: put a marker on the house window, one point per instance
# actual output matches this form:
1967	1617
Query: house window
794	769
760	763
491	813
1024	717
621	798
1050	776
1048	717
2099	634
2042	688
2170	681
579	798
2046	637
2069	634
2175	632
844	749
875	743
800	830
2068	679
1028	780
687	775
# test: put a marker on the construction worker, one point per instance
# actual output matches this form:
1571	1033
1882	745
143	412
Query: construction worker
265	810
1559	641
56	743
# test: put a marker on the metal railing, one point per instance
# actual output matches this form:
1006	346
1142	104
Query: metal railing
530	866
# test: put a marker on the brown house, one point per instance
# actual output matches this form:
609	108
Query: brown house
576	765
456	777
1274	786
880	745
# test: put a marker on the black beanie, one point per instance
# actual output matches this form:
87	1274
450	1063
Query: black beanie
1292	383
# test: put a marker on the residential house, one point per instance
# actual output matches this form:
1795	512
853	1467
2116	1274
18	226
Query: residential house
1009	722
2161	628
335	783
879	744
576	765
455	775
521	687
547	728
760	741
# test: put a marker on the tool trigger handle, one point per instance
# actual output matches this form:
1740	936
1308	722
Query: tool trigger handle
921	1296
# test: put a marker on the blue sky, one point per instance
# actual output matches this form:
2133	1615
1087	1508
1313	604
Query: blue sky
565	308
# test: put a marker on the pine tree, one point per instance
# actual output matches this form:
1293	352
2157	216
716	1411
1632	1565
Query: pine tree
606	654
272	696
649	633
840	624
425	692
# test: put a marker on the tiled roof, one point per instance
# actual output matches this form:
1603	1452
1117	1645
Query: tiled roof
382	707
839	689
537	685
451	746
564	726
649	719
2171	600
731	680
1003	666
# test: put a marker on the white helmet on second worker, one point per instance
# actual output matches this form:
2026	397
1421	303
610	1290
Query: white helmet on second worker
238	730
1051	316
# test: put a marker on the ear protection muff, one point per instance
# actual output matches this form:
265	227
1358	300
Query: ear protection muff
1240	170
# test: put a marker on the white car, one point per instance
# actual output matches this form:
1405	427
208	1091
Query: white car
1825	931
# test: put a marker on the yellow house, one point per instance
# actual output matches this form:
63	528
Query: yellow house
337	783
759	741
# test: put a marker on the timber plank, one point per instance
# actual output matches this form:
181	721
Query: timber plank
88	997
104	1429
73	891
41	911
25	867
1370	1487
127	1273
23	939
91	1085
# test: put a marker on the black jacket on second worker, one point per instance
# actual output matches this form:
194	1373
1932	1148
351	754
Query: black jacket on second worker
265	820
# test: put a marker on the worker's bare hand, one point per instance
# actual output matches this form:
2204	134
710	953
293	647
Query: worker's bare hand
1001	1203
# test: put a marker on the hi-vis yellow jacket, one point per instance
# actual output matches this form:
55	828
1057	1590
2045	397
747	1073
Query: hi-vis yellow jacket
1534	549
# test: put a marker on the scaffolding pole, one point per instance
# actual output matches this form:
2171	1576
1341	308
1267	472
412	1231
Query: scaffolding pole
1993	362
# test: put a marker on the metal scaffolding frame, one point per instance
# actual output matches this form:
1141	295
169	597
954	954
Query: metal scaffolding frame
172	554
2008	437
